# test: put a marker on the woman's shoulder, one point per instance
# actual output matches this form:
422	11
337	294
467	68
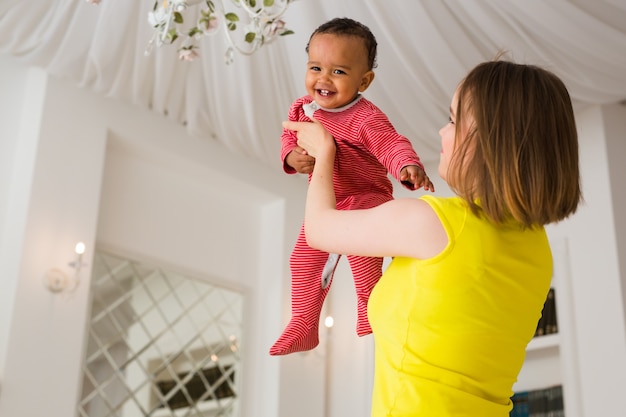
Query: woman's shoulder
427	222
445	205
453	212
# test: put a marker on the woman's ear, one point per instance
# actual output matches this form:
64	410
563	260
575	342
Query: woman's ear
366	80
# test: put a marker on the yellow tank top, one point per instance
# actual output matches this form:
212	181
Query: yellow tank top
451	331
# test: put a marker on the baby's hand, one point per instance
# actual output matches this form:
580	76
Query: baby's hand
300	160
414	177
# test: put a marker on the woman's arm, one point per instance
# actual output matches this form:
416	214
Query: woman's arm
403	227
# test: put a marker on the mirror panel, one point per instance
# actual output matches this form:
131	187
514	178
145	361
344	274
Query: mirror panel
159	343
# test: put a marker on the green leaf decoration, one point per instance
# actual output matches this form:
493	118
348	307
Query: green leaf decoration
172	35
205	19
194	31
231	17
211	6
250	37
231	26
178	18
268	3
286	32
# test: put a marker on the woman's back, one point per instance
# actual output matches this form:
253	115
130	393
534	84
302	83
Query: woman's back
451	331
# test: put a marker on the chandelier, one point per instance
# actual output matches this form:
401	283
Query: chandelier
247	24
263	24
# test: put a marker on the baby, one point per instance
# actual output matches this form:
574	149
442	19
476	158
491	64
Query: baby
342	56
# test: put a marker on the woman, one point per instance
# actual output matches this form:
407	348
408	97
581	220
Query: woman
461	299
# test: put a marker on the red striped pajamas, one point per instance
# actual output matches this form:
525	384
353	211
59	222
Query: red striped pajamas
368	148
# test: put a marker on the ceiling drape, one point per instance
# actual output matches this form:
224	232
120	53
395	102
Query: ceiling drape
425	47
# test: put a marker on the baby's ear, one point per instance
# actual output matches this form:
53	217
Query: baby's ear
366	80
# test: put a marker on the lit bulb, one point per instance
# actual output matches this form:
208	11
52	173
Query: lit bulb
80	248
329	321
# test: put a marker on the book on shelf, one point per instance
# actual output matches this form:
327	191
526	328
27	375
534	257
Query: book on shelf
544	402
548	323
520	404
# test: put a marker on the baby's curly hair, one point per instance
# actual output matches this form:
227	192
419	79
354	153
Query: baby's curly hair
348	27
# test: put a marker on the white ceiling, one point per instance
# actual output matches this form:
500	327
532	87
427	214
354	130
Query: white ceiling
425	47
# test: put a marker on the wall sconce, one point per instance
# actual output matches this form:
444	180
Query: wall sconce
56	280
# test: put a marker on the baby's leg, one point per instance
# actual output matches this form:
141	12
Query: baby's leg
307	298
366	272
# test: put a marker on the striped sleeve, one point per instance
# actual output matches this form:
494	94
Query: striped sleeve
392	149
288	138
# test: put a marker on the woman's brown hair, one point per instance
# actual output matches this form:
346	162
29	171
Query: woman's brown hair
519	160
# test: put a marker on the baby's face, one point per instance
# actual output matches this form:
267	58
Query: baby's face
337	69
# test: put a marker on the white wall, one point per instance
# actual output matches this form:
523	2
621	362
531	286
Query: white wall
594	255
60	173
614	120
16	151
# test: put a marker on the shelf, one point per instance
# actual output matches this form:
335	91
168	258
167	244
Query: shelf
544	342
542	367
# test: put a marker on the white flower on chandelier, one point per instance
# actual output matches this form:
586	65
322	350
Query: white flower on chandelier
157	17
275	27
187	54
208	23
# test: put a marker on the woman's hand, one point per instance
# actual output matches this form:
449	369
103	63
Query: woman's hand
313	137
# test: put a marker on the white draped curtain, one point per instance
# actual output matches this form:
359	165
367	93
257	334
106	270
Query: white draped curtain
425	47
